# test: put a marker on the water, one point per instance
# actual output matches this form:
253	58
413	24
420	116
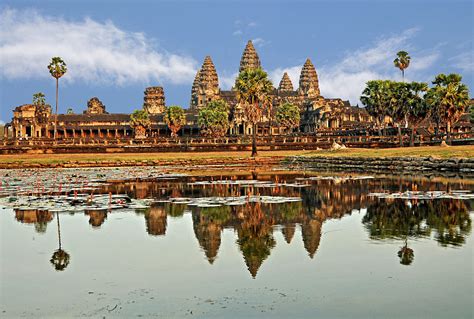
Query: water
314	247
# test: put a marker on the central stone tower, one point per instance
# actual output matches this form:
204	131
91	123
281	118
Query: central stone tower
250	59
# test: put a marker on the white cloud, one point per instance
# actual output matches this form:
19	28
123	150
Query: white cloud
259	42
464	61
237	32
346	78
226	82
95	52
252	24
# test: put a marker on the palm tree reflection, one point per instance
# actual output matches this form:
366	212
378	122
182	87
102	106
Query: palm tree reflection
60	259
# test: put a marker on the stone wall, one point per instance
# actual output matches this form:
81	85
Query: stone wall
393	165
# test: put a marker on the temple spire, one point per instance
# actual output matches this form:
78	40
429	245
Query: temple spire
285	84
195	90
208	76
309	84
250	59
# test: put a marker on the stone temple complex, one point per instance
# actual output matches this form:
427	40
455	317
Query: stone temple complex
317	112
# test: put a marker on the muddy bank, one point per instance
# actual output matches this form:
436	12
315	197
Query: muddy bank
394	165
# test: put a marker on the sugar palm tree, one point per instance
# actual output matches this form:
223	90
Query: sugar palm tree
253	87
39	99
402	62
57	68
449	98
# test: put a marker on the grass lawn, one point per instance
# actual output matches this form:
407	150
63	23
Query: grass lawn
464	151
435	151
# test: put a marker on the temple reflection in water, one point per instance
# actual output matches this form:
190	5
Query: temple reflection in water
445	220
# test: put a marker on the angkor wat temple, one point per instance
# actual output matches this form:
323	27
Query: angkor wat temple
317	112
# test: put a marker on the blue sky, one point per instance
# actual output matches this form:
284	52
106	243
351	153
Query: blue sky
114	49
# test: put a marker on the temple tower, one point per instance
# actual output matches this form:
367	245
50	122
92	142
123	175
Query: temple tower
195	91
206	85
95	106
285	84
250	59
154	100
309	84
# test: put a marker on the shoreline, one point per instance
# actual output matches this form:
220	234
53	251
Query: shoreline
417	160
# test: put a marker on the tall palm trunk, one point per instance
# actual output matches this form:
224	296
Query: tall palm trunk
448	133
400	135
56	117
254	140
412	137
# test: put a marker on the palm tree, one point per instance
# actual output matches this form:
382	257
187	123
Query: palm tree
419	110
449	98
402	62
57	68
376	99
253	88
60	258
175	118
39	99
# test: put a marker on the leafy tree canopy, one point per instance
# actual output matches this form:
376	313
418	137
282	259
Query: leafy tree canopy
214	118
288	115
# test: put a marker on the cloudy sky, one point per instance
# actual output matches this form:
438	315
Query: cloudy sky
114	49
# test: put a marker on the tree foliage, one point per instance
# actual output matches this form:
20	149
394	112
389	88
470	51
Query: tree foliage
140	122
253	89
448	98
57	68
175	118
39	99
288	115
402	62
214	118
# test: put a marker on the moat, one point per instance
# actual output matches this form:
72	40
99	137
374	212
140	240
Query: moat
275	243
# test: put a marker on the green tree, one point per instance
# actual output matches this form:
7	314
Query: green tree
402	62
70	111
39	99
376	99
175	118
398	95
140	122
57	68
214	118
449	98
253	88
288	115
419	110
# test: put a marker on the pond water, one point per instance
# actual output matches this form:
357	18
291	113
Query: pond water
279	245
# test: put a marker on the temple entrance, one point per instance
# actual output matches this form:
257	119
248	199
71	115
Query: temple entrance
28	131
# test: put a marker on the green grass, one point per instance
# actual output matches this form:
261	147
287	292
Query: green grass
434	151
465	151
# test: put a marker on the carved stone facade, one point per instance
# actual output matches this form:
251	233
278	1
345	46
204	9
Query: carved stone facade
205	86
154	100
95	106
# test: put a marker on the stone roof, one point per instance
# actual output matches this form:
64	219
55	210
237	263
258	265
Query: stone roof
114	117
250	59
309	84
285	84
